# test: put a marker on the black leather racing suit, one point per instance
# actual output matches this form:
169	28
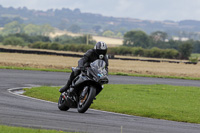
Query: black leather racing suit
89	57
85	61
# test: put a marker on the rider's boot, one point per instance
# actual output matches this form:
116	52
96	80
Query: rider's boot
65	88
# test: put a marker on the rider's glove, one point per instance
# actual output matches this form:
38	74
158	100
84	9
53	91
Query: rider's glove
82	68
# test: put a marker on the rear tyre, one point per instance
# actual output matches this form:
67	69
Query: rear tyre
62	103
85	102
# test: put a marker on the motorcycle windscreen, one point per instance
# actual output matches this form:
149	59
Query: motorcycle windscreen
98	67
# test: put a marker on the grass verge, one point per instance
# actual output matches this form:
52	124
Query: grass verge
10	129
35	69
154	76
121	74
177	103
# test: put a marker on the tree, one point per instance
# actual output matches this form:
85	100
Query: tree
1	38
136	39
32	29
55	46
158	36
12	28
46	29
108	33
13	41
6	20
185	50
196	48
74	28
63	39
119	35
84	39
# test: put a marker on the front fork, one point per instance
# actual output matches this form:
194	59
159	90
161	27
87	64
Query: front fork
85	90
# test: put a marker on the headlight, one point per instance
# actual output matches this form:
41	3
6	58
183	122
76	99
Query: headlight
100	75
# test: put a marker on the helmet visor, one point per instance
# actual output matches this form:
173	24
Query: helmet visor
100	51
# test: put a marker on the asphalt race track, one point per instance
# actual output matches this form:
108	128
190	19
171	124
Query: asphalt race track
21	111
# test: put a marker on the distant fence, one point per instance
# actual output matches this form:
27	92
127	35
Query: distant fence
38	52
148	60
79	55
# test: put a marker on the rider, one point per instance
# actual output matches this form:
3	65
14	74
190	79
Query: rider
99	52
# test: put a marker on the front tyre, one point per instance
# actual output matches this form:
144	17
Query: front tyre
86	101
62	102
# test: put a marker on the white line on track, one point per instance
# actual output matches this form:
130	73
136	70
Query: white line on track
12	91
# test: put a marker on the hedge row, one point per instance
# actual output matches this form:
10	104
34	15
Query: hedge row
64	47
133	51
138	51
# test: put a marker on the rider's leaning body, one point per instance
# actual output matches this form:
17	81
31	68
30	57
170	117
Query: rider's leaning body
99	52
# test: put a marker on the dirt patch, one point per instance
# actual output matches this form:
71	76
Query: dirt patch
134	67
111	42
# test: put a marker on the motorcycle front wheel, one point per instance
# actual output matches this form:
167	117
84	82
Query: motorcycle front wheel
86	101
61	103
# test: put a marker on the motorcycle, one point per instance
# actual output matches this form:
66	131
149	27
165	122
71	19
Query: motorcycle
84	88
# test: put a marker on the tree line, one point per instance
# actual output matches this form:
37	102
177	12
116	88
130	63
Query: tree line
30	29
23	39
78	44
95	23
137	44
160	40
135	51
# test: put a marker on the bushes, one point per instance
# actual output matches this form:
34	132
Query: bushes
64	47
161	53
171	54
185	50
194	60
13	41
138	51
23	39
55	46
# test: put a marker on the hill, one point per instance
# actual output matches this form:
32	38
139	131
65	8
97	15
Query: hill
92	23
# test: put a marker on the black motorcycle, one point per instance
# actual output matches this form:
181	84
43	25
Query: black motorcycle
85	87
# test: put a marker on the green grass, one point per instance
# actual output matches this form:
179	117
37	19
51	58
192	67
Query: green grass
10	129
35	69
121	74
177	103
154	76
195	55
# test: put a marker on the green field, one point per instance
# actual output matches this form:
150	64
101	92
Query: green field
9	129
110	73
195	55
177	103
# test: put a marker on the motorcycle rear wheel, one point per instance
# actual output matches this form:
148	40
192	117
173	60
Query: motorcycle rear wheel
61	103
85	103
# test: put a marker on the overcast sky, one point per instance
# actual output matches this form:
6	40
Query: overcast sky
175	10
